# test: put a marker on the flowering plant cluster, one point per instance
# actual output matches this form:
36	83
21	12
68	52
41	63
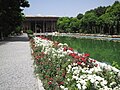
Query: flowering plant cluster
60	67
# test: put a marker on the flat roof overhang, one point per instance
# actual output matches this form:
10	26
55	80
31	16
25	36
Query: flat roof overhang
40	18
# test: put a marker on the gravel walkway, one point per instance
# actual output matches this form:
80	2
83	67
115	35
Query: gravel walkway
16	66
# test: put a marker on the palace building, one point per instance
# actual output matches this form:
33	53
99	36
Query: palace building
40	24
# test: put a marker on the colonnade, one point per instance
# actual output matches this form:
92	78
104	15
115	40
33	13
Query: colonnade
40	25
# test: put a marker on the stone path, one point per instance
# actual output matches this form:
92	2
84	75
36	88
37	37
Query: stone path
16	66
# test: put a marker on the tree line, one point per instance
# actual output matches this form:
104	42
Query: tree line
11	15
102	20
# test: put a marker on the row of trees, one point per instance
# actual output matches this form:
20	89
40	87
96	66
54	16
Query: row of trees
103	20
11	15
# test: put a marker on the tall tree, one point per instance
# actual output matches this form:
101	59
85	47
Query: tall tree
75	25
11	15
79	16
88	22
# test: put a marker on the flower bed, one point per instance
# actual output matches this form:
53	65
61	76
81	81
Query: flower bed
61	68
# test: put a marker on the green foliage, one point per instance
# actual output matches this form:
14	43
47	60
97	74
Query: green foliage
11	15
18	30
66	24
29	32
79	16
103	20
115	64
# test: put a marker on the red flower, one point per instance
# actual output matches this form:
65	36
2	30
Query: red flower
65	49
46	39
42	53
51	79
86	55
72	54
94	61
91	61
61	83
49	82
77	57
70	49
83	59
96	65
63	74
46	77
38	57
79	63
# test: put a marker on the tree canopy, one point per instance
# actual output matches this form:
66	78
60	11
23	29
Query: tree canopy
102	20
11	15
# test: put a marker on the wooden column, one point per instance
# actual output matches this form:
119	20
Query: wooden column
35	27
43	26
54	26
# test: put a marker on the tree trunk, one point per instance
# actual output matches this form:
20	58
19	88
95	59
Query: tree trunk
2	38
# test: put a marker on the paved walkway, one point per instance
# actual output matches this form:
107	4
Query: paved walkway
16	66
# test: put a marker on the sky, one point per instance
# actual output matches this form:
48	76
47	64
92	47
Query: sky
60	8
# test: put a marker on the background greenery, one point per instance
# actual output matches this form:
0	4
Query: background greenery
103	20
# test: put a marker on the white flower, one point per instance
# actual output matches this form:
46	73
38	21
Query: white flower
62	87
115	69
69	51
79	86
103	65
96	83
89	71
60	44
68	79
104	82
83	82
92	80
97	69
66	89
118	75
74	64
75	77
112	83
84	87
109	67
76	72
83	63
69	66
65	44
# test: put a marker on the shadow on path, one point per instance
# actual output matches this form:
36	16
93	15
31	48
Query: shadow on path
21	38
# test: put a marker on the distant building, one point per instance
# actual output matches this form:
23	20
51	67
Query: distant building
40	24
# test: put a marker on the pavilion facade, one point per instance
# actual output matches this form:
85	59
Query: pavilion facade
40	24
